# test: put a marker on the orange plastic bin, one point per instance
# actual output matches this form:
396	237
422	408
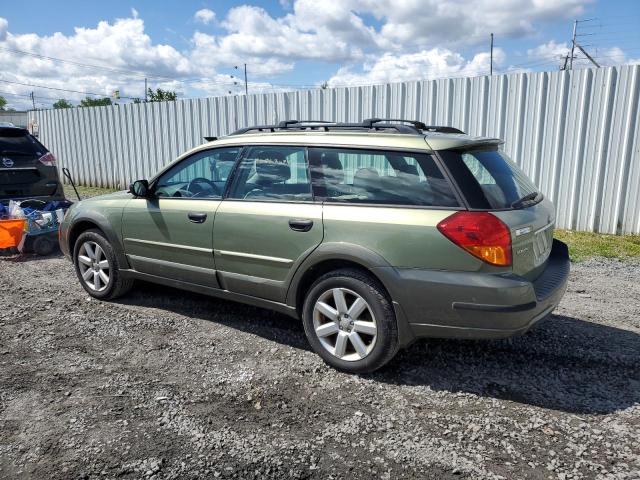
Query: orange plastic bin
11	232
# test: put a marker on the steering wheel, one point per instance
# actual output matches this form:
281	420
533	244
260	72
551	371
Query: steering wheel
194	182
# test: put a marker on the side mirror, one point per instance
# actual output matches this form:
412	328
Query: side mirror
140	188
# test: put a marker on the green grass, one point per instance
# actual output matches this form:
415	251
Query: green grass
583	245
85	192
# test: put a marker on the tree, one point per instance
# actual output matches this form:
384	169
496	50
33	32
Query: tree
62	103
95	102
3	103
161	95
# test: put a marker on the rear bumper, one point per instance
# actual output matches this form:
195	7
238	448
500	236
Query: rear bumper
477	305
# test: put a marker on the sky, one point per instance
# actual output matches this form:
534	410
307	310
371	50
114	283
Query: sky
73	48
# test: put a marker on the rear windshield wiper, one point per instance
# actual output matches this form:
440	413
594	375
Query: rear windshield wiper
526	199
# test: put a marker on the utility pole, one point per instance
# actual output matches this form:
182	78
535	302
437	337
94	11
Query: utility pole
573	44
33	100
491	57
145	90
246	88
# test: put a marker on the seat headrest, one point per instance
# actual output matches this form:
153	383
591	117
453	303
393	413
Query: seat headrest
271	167
332	168
367	179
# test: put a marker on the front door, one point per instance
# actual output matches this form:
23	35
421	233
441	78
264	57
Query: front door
268	224
169	234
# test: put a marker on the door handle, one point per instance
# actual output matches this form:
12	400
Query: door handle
197	217
300	224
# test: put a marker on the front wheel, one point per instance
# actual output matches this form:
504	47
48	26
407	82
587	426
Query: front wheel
349	321
97	267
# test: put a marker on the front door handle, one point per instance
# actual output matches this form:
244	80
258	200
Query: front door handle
197	217
300	224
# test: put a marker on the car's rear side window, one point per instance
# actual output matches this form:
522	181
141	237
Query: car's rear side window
379	177
487	177
18	142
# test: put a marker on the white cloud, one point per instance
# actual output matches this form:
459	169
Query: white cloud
463	22
410	39
426	64
205	16
118	47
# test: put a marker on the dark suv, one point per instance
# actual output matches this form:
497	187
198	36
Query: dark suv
27	168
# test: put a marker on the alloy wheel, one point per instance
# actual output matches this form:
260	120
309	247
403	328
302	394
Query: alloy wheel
94	266
344	323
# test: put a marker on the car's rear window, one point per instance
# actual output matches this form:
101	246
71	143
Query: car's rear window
19	142
488	178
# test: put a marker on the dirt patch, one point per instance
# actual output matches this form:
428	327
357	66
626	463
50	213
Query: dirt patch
167	384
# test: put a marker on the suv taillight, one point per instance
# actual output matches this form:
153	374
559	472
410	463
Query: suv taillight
481	234
48	159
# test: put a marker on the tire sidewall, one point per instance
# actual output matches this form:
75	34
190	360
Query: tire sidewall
94	236
382	310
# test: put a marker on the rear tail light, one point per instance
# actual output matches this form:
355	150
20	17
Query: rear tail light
48	159
481	234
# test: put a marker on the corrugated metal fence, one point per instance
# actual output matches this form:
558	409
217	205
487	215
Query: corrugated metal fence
19	119
575	133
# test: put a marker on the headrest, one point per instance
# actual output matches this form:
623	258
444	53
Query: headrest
271	167
332	168
367	179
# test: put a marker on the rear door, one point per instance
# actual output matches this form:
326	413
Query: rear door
170	233
268	223
490	181
27	169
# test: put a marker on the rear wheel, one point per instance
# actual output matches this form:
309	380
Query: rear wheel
350	321
97	267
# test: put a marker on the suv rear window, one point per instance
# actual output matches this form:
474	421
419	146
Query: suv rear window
379	177
15	141
488	178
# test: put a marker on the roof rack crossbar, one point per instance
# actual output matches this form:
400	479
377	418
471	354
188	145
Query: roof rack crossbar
372	124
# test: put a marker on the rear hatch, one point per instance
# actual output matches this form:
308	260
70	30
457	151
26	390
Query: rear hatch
27	169
491	182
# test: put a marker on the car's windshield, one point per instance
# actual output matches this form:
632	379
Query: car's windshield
489	179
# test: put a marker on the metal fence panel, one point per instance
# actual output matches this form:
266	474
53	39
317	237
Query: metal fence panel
575	133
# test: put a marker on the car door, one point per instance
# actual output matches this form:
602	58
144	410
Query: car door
268	223
169	234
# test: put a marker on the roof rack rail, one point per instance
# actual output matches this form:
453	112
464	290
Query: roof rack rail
370	124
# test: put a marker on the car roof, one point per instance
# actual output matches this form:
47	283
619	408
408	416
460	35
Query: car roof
429	141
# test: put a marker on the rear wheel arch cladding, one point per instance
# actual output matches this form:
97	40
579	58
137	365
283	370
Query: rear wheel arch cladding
328	257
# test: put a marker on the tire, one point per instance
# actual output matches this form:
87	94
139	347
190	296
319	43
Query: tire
115	285
358	343
43	246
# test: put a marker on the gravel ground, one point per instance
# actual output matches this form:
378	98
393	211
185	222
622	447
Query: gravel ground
166	384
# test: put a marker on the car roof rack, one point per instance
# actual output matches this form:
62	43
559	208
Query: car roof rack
370	124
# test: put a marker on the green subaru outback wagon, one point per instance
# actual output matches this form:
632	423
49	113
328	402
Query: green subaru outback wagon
373	233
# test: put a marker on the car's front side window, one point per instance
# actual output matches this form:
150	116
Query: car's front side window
202	175
272	173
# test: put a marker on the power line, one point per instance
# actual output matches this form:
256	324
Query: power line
60	89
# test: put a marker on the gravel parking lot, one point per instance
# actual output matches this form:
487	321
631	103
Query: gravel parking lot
167	384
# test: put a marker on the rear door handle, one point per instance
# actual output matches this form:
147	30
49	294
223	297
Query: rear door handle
300	224
197	217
